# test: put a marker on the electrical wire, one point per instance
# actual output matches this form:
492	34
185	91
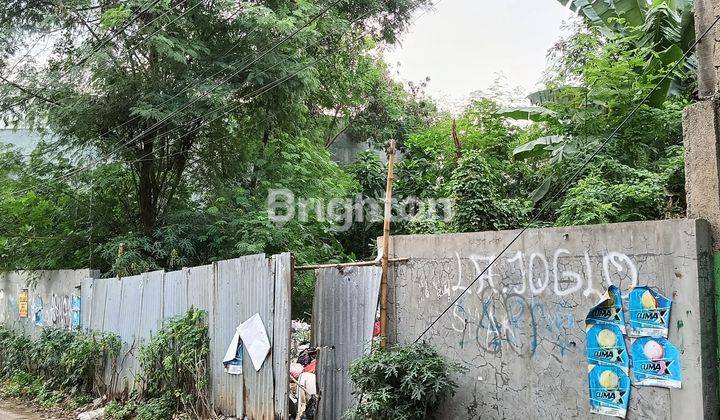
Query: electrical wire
98	48
254	94
573	178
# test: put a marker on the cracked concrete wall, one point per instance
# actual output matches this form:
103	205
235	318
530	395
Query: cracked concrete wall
520	331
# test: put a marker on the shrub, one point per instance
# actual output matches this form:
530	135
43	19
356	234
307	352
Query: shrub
406	382
66	360
60	367
116	410
479	198
174	367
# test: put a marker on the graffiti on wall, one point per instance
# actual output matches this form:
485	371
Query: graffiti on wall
503	312
60	314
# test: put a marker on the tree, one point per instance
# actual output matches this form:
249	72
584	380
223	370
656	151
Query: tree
151	83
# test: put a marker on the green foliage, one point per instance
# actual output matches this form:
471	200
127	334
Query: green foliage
168	199
371	175
174	368
303	294
116	410
479	201
60	364
405	382
156	408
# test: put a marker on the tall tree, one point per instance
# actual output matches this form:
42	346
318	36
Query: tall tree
152	82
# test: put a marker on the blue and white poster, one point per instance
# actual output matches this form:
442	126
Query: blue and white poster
37	311
649	313
605	346
233	359
608	311
75	311
609	390
656	362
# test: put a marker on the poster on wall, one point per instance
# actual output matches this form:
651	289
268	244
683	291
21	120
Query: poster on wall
609	391
75	311
608	311
606	347
649	313
23	303
233	360
37	311
656	362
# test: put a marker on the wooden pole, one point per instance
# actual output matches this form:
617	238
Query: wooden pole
386	246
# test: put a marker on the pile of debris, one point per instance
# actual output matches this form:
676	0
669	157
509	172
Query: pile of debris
303	382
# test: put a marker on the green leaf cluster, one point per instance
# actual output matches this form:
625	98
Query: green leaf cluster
404	382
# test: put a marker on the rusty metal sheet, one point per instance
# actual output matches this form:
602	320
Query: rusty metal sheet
344	309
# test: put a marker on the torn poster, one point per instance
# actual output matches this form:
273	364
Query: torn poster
37	310
23	303
606	346
75	311
608	311
255	338
609	390
656	362
649	313
234	355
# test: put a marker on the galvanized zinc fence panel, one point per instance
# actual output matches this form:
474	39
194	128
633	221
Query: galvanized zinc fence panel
344	311
125	320
227	389
231	292
174	298
282	324
135	307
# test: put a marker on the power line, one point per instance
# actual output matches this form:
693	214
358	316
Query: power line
225	54
253	94
93	52
121	30
572	179
224	80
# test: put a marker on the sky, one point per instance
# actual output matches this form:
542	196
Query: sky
463	45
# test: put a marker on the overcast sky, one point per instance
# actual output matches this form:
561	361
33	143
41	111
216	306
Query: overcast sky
463	44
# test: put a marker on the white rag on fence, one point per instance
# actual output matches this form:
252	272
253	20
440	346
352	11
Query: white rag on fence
255	340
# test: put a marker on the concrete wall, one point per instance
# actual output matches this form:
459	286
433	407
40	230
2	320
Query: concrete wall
521	332
50	297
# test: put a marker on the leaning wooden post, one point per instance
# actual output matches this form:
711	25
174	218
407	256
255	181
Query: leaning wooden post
386	246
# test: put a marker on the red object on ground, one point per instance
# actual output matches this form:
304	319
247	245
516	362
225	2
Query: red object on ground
376	329
311	366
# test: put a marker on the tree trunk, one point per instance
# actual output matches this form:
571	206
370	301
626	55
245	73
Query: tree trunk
146	188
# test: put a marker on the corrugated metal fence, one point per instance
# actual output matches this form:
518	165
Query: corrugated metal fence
230	291
344	310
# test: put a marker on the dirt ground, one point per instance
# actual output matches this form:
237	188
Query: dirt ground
11	410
